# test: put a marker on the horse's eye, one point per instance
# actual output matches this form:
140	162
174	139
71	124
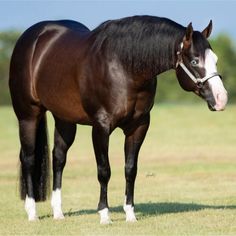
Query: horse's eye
194	62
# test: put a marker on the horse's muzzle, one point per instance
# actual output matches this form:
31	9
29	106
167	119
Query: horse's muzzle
220	102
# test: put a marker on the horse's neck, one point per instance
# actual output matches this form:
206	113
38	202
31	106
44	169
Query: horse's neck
161	57
144	51
154	56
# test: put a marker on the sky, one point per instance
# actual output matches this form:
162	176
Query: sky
18	14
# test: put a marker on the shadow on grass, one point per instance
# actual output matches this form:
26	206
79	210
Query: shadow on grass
149	209
175	207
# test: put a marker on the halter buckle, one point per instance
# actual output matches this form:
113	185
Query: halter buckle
199	84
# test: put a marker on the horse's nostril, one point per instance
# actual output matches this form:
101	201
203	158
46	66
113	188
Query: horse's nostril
221	101
211	107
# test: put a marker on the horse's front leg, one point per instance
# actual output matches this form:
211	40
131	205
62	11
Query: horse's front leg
100	136
133	142
63	138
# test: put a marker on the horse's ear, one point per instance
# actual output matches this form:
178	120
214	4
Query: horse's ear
188	36
207	31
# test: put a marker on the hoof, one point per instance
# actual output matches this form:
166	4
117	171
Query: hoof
105	221
59	217
30	209
104	217
58	214
33	218
131	219
56	205
129	211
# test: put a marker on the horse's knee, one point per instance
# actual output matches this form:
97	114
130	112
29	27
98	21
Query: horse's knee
130	171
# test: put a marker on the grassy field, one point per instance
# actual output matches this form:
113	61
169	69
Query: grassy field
186	183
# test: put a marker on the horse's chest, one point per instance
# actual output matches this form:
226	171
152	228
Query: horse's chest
143	103
140	103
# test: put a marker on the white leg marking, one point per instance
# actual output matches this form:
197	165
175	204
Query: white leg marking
129	211
104	216
30	208
56	205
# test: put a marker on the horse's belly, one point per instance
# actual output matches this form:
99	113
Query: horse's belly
62	100
70	113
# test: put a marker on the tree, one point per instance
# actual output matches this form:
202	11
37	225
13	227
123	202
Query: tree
226	52
7	42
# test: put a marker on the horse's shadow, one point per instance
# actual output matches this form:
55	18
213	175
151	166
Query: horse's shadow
150	208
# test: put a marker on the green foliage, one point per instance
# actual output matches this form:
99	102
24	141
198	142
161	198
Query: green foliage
226	51
168	88
7	42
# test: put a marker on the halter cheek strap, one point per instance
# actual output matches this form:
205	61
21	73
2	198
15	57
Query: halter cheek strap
198	81
193	78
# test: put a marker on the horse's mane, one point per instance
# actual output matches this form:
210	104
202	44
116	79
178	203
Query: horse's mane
139	42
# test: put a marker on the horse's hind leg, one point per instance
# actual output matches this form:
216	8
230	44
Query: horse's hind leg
63	138
34	161
133	142
27	158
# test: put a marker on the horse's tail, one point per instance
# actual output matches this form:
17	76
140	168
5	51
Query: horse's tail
41	177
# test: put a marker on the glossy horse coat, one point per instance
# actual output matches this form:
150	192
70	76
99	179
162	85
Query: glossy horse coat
105	78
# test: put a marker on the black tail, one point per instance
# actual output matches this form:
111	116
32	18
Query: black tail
41	180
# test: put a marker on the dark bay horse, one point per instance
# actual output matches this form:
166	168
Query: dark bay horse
105	78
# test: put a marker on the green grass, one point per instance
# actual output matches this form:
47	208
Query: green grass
186	183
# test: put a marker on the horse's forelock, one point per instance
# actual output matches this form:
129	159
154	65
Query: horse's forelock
200	44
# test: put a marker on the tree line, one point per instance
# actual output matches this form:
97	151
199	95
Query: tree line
168	89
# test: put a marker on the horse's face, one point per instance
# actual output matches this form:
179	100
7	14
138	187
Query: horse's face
196	68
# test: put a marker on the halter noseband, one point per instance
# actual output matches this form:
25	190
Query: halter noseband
198	81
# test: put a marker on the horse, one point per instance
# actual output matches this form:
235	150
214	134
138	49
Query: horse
105	78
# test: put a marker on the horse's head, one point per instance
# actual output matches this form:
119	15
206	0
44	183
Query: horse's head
196	68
